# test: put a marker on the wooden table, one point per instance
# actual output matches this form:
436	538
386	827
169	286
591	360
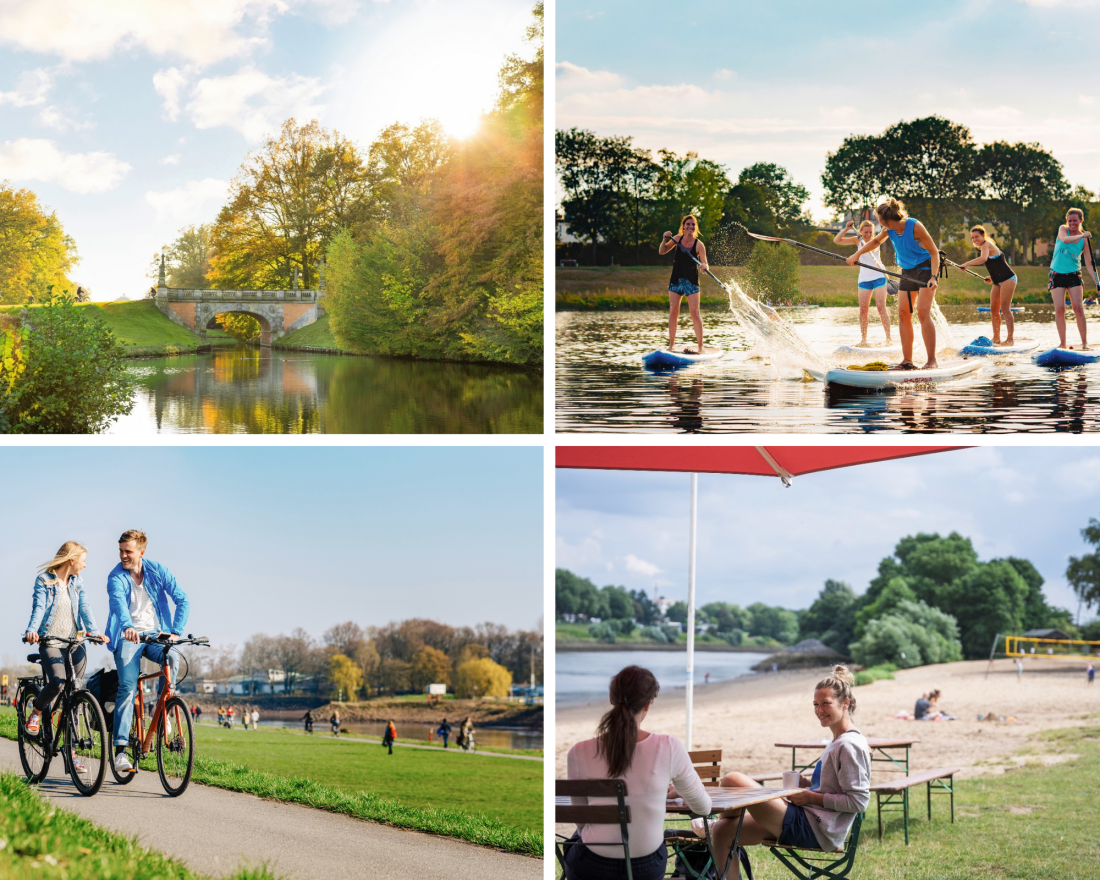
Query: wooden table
882	747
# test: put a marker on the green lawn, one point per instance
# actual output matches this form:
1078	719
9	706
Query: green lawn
38	841
315	335
601	287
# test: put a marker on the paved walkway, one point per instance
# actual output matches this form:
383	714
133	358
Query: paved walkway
214	831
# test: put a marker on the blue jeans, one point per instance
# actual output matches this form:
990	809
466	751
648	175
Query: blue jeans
128	663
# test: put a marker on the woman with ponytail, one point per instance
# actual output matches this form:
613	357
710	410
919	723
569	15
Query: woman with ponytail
648	763
819	816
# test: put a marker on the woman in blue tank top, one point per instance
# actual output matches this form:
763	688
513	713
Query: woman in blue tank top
1065	273
919	259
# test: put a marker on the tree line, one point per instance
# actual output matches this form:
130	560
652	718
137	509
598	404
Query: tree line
620	198
933	600
430	247
398	658
36	254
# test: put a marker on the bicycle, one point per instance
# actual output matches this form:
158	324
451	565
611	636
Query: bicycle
170	731
76	719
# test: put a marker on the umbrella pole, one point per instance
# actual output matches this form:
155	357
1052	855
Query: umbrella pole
691	602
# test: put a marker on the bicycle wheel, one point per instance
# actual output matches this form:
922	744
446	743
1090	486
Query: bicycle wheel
175	747
86	743
34	751
133	751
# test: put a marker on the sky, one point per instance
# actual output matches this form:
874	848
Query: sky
759	542
270	539
742	82
129	118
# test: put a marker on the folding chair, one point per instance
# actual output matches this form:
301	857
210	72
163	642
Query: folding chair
565	812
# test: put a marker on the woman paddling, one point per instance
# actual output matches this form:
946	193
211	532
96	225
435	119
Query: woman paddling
685	277
870	281
1065	274
919	259
1002	278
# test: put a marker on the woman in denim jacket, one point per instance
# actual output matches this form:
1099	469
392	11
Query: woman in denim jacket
60	608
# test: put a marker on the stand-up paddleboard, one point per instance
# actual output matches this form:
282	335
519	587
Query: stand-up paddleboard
663	359
877	352
1013	309
1064	357
886	378
983	347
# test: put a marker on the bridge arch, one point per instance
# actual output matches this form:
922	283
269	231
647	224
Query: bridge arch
278	311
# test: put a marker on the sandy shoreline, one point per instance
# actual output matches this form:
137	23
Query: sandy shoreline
746	716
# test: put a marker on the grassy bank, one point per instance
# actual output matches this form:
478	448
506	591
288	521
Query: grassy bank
646	287
317	336
1033	823
575	637
39	841
413	788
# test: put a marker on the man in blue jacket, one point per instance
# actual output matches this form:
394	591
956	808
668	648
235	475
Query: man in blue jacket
138	591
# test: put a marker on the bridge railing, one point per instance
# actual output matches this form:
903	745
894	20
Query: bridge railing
181	295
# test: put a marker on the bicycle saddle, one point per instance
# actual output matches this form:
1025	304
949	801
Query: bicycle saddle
34	658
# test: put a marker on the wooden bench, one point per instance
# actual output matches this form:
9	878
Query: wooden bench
617	813
895	794
811	864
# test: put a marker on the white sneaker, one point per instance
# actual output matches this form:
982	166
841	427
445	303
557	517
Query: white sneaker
122	763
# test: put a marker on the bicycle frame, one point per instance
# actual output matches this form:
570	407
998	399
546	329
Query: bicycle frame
148	734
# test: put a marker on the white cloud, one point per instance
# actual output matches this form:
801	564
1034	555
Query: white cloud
254	103
174	159
168	84
31	88
194	201
724	74
53	117
572	76
640	566
29	159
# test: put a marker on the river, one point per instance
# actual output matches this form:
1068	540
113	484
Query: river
265	391
583	676
602	386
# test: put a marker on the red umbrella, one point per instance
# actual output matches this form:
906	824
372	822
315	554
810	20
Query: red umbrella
784	462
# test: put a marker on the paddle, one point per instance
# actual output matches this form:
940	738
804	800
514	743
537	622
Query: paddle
943	257
700	265
820	251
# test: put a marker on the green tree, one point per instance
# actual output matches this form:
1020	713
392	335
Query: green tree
987	601
286	203
892	595
582	162
831	617
677	612
35	252
1083	572
773	623
645	611
187	261
689	185
577	595
619	603
772	271
911	634
241	327
64	371
785	196
345	676
726	617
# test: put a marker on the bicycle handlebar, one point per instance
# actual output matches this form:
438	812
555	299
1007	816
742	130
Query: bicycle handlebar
164	640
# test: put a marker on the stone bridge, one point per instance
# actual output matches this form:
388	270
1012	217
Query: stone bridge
278	311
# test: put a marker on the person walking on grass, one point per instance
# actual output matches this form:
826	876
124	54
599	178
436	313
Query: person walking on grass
1065	274
59	608
307	719
389	736
1002	279
870	281
335	722
685	278
444	732
138	591
255	717
467	735
919	259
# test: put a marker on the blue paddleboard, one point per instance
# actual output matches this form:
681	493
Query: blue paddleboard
1063	357
663	359
1013	309
983	347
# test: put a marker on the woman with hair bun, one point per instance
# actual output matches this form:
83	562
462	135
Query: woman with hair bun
1001	277
919	259
648	763
819	816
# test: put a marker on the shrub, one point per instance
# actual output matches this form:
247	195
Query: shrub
735	637
883	670
605	632
68	375
772	271
913	634
655	633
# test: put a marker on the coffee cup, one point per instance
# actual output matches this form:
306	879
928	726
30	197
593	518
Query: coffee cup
792	779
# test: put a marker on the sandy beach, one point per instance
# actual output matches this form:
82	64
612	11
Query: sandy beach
747	716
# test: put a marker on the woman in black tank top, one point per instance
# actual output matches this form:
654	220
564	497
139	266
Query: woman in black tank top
685	278
1001	277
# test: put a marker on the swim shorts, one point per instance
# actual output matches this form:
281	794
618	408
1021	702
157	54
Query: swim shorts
1064	279
873	285
797	830
917	277
683	287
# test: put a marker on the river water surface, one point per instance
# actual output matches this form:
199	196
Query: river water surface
265	391
601	384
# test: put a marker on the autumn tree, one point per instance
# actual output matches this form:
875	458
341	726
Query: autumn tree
285	204
345	676
35	252
430	666
187	259
482	678
343	638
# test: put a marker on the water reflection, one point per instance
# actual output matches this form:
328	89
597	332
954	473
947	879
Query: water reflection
258	391
602	386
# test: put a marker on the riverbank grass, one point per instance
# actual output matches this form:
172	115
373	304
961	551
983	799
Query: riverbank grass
494	802
317	335
38	841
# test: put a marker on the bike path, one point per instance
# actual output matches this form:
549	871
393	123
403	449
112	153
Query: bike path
214	832
398	745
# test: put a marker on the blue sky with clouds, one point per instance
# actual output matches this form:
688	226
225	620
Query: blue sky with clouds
761	542
129	119
269	539
742	82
